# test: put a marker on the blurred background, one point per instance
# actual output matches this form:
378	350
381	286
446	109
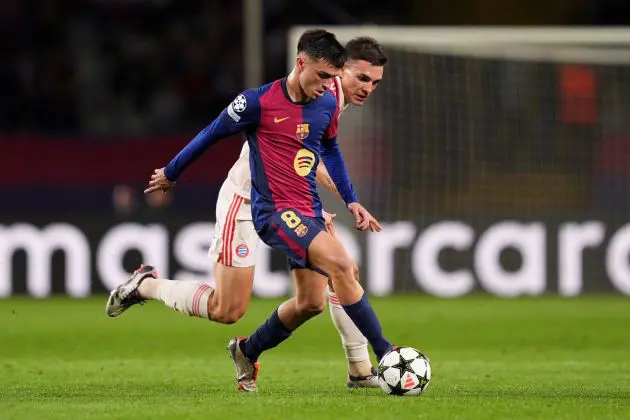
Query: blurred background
496	156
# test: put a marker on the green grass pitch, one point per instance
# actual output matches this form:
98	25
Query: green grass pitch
538	358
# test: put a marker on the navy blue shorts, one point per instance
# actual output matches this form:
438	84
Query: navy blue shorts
291	232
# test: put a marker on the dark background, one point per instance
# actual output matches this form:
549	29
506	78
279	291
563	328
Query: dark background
96	93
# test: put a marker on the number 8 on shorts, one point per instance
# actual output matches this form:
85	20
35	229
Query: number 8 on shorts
291	219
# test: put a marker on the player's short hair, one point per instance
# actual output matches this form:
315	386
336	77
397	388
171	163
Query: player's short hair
368	49
320	44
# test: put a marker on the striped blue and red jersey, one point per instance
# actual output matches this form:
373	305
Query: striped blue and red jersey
286	140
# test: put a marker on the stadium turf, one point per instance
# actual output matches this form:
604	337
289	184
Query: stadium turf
542	358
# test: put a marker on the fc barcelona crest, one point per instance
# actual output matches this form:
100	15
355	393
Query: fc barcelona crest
302	131
301	230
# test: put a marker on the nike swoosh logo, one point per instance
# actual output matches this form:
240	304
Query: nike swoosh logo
279	120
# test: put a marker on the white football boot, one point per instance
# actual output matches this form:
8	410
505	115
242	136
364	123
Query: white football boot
126	294
246	371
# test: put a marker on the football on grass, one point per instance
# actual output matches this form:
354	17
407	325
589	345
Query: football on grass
404	371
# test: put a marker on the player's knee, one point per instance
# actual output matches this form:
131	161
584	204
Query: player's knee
355	270
227	314
227	317
341	266
311	307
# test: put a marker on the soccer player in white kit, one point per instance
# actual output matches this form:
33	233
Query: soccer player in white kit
234	247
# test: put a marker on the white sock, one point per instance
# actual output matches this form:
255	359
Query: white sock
354	343
187	297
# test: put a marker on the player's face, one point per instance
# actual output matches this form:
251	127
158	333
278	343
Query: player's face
316	76
359	80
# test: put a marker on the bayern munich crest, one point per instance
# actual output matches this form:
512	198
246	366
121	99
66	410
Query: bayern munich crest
242	250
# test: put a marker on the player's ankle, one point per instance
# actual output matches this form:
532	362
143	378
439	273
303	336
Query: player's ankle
148	289
360	368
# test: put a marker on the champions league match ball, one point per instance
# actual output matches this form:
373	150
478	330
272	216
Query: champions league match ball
404	371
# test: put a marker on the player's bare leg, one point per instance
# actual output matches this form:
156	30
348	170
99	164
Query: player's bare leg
226	304
232	295
361	373
309	299
307	304
327	253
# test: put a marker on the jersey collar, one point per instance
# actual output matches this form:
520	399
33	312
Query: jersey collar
285	91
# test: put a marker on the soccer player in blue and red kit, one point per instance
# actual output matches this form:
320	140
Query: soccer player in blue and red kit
289	125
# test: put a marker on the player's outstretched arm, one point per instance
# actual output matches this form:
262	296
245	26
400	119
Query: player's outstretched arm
240	115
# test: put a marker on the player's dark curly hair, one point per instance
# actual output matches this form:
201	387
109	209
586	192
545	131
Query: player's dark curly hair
368	49
319	44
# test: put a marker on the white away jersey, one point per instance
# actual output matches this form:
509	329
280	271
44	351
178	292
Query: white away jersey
239	179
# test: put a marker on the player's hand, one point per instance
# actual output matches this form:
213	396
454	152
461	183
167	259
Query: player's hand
364	220
328	220
375	225
159	182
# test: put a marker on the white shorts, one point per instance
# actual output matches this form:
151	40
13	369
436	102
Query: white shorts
235	239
